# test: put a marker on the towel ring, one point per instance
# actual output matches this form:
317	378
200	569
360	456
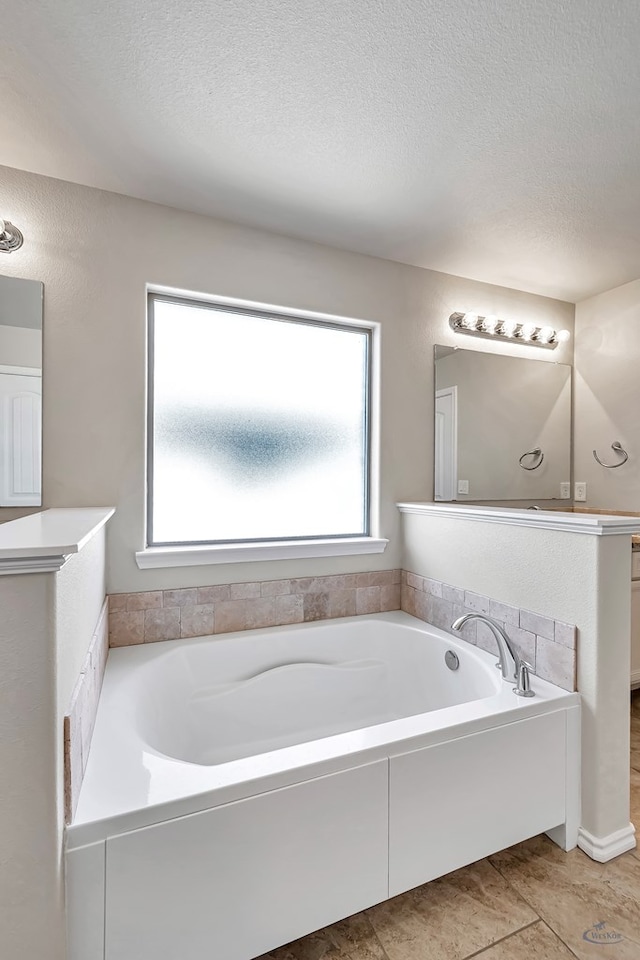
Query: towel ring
617	447
537	452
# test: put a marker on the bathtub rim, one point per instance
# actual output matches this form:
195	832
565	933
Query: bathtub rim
239	779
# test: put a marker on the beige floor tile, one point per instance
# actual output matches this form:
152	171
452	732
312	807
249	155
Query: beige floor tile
572	893
535	941
351	939
450	918
635	741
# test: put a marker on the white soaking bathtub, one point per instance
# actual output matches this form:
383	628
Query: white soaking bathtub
246	789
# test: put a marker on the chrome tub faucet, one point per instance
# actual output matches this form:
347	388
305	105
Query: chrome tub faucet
514	670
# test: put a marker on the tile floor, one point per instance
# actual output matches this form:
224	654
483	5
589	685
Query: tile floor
531	901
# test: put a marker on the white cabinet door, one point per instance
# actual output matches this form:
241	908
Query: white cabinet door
457	802
635	633
234	882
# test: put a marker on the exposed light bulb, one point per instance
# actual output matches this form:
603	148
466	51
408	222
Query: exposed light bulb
563	335
490	323
470	321
546	334
527	331
509	327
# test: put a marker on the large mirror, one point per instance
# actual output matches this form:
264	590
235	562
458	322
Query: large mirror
502	427
20	392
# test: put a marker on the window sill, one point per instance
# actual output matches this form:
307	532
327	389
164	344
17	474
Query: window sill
191	556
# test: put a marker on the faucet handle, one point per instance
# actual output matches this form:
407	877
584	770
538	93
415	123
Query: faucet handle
523	688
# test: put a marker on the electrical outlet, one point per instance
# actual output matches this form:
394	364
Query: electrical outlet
580	491
565	491
463	486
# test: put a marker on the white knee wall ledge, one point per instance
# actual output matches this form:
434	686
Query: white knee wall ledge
42	542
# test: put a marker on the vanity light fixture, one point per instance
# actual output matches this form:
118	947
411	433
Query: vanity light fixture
492	328
10	237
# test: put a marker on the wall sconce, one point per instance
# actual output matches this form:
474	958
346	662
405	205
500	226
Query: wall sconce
10	237
511	331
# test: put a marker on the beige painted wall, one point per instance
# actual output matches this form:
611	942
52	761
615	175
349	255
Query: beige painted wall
507	406
566	576
95	252
607	396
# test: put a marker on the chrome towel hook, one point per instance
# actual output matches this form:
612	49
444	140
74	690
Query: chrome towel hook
617	447
537	452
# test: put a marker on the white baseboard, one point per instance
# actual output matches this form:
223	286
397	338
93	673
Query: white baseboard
603	849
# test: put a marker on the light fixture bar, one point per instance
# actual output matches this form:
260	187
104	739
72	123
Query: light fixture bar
491	328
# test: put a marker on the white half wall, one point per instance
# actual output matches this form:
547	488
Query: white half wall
576	578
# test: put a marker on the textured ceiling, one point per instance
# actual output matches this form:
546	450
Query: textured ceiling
494	140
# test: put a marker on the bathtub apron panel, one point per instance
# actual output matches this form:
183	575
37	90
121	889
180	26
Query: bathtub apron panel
239	880
455	803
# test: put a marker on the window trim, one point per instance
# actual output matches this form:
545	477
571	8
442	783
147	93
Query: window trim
158	554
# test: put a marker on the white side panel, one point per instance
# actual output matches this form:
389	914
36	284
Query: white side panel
85	877
452	804
635	632
239	880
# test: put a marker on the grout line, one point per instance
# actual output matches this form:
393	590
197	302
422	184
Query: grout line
507	936
557	935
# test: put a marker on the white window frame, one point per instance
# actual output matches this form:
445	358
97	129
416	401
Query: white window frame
192	554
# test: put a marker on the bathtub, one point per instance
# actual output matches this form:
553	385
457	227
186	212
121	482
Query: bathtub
244	790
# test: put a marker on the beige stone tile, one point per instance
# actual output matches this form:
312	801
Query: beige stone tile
275	588
476	602
396	575
196	620
316	606
541	626
555	663
375	578
566	634
214	594
450	918
368	600
453	594
415	581
185	597
150	600
161	624
390	597
249	614
572	893
434	587
423	605
244	591
342	603
311	585
289	609
118	602
350	939
535	941
408	599
504	612
126	628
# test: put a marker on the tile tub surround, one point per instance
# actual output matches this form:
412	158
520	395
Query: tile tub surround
550	646
224	608
81	717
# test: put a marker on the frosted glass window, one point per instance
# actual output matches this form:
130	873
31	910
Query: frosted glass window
258	426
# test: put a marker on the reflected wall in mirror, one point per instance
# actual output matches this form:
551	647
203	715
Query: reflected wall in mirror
502	427
20	392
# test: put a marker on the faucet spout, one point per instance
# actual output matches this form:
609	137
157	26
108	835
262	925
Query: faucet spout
510	662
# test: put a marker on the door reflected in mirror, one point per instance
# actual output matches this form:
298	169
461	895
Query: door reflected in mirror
502	427
20	392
